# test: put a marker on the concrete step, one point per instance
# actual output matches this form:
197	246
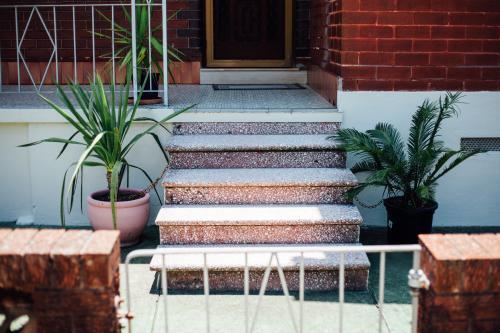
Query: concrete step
252	76
226	270
254	151
258	224
257	186
248	128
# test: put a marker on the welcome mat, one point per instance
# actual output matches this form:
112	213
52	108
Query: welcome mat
294	86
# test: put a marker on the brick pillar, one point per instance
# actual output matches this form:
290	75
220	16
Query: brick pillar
65	281
464	294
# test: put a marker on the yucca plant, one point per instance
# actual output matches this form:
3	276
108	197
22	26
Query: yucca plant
410	174
102	123
123	38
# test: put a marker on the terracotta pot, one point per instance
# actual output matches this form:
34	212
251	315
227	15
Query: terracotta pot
131	216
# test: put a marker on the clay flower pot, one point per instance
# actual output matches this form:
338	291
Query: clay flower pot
131	216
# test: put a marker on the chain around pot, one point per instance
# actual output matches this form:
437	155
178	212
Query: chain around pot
364	205
155	182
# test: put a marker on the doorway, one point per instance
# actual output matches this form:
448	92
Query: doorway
248	33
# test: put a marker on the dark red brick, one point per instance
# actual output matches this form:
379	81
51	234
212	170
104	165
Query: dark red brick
412	59
463	73
447	59
482	59
428	72
394	45
375	85
434	45
413	31
376	58
395	18
393	73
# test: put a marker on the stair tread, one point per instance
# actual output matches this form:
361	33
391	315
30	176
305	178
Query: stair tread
256	261
259	177
180	143
258	214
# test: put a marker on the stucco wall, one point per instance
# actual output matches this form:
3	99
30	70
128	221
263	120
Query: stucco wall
468	195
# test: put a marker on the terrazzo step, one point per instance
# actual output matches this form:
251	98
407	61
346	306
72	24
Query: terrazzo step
258	186
226	271
255	128
254	151
258	224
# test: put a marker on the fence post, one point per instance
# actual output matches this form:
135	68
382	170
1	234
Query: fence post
134	49
165	51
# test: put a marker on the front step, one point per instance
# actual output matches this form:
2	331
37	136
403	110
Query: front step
255	128
258	224
254	151
252	76
258	186
226	271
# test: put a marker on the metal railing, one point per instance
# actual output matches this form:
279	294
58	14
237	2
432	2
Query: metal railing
22	31
416	278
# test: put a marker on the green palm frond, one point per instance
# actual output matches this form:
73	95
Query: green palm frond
411	173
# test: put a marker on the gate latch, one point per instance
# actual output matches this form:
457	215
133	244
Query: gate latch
418	280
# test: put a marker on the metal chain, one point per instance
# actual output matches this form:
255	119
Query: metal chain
153	184
364	205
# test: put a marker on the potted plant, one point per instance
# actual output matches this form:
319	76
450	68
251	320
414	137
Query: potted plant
102	124
149	49
409	176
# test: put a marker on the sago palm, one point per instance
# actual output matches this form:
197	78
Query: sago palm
410	173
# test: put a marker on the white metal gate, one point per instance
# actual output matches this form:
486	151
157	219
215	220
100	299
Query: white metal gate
416	278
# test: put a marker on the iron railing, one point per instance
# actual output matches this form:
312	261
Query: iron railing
416	278
22	30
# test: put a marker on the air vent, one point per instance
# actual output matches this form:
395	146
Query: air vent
486	144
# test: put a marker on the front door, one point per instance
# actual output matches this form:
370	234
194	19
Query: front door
249	33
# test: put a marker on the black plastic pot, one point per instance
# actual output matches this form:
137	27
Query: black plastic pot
150	89
405	224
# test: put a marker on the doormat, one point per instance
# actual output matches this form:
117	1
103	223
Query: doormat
295	86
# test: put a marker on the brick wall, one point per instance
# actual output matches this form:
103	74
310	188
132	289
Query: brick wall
65	281
409	44
464	274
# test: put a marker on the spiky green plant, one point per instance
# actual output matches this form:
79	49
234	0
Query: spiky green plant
413	173
123	38
102	124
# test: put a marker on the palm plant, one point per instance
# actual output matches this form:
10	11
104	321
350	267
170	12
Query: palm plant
149	49
102	126
411	174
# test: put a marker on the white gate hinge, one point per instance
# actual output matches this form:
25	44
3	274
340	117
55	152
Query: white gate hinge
418	280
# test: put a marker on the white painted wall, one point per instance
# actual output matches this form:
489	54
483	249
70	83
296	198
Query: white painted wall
469	195
31	177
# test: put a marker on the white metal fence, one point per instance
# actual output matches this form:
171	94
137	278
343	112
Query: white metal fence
416	278
50	26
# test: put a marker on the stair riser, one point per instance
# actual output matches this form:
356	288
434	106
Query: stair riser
224	281
256	195
258	159
258	234
255	128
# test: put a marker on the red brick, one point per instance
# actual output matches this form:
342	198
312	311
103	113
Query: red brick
349	30
376	58
11	257
483	6
349	85
413	31
481	85
358	72
483	59
374	85
65	253
359	44
359	18
395	18
412	59
413	5
447	32
490	73
37	261
447	59
449	5
447	85
350	5
392	72
376	31
467	18
430	18
491	46
465	45
349	58
394	45
411	85
100	258
463	73
377	5
428	72
421	45
482	32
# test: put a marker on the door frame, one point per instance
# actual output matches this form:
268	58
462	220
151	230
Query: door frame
209	28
